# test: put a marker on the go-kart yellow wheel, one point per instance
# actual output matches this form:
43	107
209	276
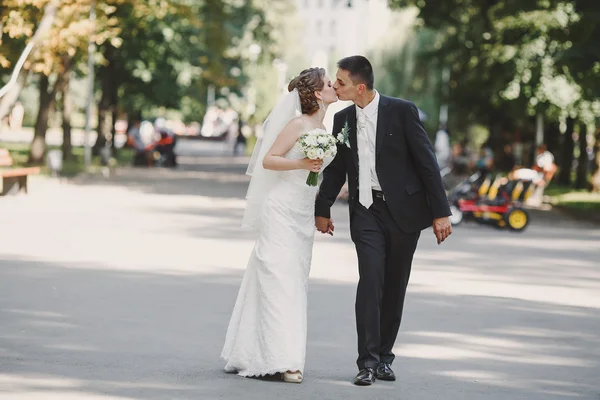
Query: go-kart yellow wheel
517	219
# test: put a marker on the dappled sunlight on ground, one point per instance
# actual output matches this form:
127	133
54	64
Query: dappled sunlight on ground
121	289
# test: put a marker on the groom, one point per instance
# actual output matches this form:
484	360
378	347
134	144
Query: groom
395	191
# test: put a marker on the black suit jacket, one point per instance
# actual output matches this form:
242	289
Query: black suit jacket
405	164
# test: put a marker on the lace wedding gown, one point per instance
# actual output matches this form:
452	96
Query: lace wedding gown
267	330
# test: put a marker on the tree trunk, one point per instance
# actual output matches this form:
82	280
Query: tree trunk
552	137
596	166
114	111
564	177
101	128
37	150
67	111
107	105
114	94
581	182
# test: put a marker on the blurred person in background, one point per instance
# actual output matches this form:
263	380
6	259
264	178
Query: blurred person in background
485	160
210	122
239	147
165	145
544	162
518	148
442	147
147	133
458	165
540	174
231	124
135	141
542	171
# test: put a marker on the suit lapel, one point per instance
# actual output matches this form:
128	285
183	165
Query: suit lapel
352	135
382	122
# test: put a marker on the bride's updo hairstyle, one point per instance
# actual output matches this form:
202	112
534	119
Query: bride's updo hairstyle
309	81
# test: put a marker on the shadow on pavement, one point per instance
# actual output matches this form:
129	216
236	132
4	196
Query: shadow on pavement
71	332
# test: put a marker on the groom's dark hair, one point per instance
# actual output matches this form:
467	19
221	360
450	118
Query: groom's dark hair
360	70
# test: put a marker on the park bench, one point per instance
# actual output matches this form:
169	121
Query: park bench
13	180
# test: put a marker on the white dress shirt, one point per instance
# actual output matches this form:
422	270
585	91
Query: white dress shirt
366	137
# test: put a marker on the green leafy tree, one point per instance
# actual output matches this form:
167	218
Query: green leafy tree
512	60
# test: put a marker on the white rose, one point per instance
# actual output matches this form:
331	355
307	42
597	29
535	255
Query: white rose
323	140
320	154
312	154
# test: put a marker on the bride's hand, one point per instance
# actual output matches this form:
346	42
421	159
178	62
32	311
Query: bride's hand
311	165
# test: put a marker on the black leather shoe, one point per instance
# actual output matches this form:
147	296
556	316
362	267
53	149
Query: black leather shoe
365	377
385	373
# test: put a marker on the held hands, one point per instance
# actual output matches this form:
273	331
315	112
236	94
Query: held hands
442	229
310	165
324	225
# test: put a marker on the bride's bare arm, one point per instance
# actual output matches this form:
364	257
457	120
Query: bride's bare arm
274	159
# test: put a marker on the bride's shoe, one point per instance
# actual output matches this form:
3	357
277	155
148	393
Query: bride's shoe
292	377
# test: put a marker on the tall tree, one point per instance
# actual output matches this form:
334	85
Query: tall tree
511	60
16	52
60	54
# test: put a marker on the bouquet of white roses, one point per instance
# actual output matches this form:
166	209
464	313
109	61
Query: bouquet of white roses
316	145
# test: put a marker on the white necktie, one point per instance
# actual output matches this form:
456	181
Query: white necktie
365	196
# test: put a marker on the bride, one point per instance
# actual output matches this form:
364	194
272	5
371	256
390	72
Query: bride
267	330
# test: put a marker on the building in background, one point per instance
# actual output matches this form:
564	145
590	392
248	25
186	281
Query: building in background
333	29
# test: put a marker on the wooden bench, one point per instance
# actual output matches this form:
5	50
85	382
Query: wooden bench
13	180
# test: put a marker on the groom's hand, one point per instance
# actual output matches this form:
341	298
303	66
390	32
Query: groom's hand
442	228
323	224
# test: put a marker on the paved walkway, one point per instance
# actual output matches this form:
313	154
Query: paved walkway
122	289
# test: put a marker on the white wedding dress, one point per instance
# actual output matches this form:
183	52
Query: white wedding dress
267	330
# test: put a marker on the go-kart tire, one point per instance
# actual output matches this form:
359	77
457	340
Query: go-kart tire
517	219
457	216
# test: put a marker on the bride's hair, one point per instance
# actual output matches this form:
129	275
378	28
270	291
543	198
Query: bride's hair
309	81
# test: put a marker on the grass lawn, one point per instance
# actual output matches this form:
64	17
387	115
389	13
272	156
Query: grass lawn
20	153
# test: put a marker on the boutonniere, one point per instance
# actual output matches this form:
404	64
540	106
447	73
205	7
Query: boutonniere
342	136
